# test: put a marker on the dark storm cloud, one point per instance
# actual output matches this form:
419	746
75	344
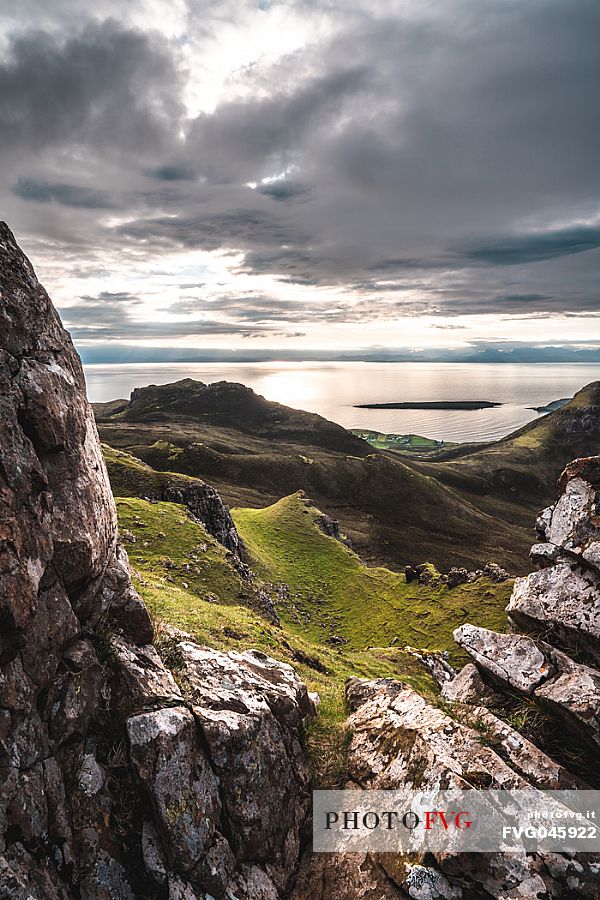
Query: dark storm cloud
125	329
119	316
291	266
283	189
248	139
535	247
66	194
105	297
106	310
172	172
241	228
448	148
104	87
265	308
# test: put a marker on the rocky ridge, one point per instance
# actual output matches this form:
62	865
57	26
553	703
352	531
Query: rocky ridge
201	500
425	573
117	779
400	739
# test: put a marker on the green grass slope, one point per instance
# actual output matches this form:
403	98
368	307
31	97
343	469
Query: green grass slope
334	595
186	579
465	506
171	547
393	514
130	477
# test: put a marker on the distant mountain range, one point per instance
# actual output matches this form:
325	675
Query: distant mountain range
108	353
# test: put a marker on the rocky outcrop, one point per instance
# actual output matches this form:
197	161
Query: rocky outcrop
556	662
400	739
425	573
206	507
564	598
466	687
117	779
513	659
231	405
541	671
130	477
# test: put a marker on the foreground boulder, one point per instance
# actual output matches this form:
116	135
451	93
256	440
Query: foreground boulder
401	740
114	782
556	662
539	670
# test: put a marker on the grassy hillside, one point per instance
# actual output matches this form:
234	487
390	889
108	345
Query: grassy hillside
462	506
334	593
187	580
517	475
255	452
130	477
169	546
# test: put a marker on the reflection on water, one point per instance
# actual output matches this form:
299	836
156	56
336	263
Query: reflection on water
332	389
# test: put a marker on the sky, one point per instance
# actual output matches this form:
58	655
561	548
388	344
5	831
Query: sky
243	176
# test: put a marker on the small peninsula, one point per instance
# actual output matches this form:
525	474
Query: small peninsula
552	406
434	404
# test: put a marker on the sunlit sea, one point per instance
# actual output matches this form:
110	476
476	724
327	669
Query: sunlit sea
333	388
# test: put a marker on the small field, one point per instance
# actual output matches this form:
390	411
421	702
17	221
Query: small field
407	442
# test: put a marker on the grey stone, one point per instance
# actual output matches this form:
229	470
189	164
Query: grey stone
513	659
573	508
399	739
592	554
152	854
565	598
436	664
545	554
467	687
142	678
179	780
251	710
76	660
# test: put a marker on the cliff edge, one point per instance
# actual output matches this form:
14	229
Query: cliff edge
115	781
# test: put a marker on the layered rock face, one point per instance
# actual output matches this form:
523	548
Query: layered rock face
115	783
136	478
400	739
207	507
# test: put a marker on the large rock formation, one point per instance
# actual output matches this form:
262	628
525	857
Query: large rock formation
400	739
114	782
